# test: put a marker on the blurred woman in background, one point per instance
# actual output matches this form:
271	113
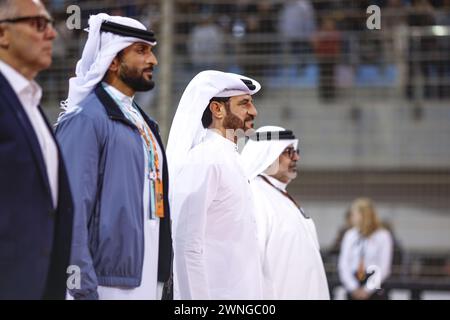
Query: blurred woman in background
366	254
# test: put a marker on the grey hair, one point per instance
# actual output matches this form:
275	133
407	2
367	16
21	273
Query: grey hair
7	9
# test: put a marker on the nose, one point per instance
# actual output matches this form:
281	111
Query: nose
50	32
296	157
152	59
252	110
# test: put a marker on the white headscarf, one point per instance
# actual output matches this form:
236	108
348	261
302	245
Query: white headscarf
98	53
187	129
257	156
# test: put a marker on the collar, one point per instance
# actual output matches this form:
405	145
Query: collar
19	83
113	111
277	183
127	100
212	134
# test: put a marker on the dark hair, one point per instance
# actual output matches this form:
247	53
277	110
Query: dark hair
207	114
120	54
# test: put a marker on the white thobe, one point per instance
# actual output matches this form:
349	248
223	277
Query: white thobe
215	241
292	264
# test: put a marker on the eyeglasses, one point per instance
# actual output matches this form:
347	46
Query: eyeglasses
291	152
39	22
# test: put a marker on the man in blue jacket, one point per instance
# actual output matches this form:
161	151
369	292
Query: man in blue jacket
117	166
35	200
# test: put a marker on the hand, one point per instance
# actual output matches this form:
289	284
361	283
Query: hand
360	294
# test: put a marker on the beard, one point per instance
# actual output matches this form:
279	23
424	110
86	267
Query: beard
135	79
232	121
292	170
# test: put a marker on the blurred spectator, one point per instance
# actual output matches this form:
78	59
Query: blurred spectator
370	41
150	16
225	12
264	13
366	254
423	50
184	26
259	41
443	68
297	24
443	15
394	15
327	47
350	15
327	7
393	24
206	45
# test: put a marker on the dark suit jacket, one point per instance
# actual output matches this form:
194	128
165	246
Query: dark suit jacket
35	239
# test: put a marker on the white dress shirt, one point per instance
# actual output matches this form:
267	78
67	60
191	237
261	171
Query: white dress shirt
292	264
377	250
29	94
214	228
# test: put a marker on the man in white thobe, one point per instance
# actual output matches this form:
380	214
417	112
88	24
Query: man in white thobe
292	265
215	241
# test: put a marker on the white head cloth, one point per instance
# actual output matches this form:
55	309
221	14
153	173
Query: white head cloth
257	156
98	53
187	129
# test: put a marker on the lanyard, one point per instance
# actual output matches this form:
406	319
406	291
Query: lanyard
150	149
286	195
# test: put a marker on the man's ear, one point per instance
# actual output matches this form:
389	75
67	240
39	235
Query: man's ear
217	109
273	168
115	65
4	37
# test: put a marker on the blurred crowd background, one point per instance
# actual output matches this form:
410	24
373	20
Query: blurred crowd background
371	107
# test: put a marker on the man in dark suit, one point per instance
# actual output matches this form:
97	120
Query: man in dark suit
35	199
